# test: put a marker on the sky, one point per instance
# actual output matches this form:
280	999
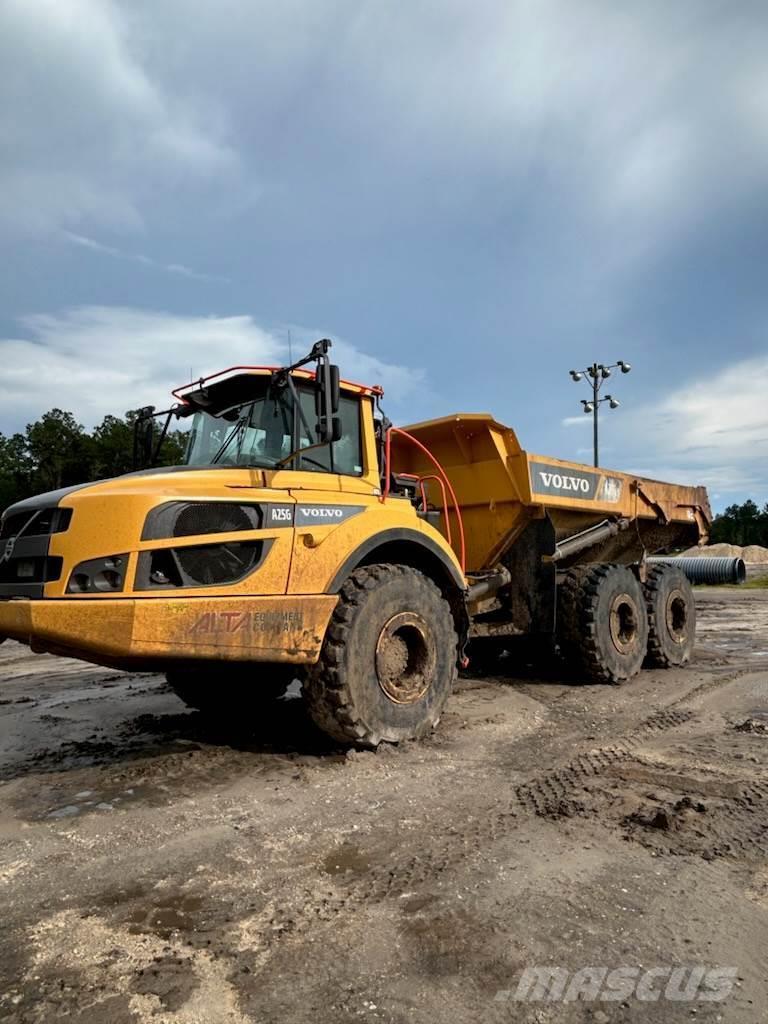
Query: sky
469	199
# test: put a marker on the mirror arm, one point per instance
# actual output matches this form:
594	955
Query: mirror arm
163	435
297	405
144	416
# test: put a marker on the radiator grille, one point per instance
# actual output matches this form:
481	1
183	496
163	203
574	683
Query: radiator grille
196	519
39	522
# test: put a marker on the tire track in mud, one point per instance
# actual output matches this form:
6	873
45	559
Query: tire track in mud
548	795
373	868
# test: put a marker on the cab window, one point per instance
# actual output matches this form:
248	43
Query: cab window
343	456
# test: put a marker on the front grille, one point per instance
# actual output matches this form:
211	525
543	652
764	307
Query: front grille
195	519
39	522
25	565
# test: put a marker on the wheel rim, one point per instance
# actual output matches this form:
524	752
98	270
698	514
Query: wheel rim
623	623
405	658
677	617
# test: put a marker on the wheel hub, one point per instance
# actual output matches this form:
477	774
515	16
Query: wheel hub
405	658
623	623
676	614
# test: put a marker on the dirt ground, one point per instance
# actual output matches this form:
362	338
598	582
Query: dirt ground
156	867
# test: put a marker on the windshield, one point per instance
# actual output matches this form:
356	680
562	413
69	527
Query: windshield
270	428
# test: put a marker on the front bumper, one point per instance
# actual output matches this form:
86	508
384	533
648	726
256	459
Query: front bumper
145	632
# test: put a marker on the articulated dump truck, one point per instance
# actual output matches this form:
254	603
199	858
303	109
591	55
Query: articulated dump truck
305	536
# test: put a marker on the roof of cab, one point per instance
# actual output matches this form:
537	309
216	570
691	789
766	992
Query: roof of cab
239	374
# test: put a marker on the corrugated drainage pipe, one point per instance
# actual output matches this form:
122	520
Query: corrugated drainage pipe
707	570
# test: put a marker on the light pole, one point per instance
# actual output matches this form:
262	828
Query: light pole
598	374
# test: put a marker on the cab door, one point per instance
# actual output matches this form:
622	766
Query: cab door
333	490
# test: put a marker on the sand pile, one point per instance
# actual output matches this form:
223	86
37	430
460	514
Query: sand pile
752	553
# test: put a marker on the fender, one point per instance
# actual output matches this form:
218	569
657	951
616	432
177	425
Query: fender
397	535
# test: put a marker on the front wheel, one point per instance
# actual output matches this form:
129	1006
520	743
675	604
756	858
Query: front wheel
388	661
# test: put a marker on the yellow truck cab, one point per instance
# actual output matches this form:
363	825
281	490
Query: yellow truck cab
236	558
288	545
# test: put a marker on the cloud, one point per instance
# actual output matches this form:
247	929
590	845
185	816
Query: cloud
354	116
623	109
577	421
95	360
134	257
89	134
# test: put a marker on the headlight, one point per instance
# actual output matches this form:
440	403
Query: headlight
98	575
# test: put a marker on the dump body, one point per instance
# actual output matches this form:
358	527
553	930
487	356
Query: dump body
501	489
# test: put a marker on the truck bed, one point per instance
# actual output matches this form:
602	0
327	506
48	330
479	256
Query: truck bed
500	488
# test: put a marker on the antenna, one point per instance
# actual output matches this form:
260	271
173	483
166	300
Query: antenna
290	347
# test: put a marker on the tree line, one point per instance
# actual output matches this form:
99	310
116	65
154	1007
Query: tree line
741	524
57	451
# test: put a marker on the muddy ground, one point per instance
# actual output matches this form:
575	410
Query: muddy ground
156	867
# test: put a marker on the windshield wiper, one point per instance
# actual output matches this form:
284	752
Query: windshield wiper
238	428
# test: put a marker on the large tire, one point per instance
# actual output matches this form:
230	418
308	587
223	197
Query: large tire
602	622
227	689
389	659
671	611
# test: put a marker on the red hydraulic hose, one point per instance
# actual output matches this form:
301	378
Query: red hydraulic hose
443	477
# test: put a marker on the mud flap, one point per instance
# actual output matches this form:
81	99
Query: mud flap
533	591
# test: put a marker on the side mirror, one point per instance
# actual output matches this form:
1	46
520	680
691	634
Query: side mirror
327	398
335	383
143	437
329	430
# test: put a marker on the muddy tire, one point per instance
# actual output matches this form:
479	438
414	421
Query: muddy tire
602	623
231	690
671	611
389	659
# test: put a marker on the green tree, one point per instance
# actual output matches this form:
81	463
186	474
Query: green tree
112	447
741	524
16	469
56	451
59	449
173	448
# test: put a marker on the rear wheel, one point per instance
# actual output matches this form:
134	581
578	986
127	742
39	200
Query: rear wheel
227	689
388	661
602	622
671	611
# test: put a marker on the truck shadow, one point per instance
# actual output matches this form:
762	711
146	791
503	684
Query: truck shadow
275	735
518	660
280	727
282	732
